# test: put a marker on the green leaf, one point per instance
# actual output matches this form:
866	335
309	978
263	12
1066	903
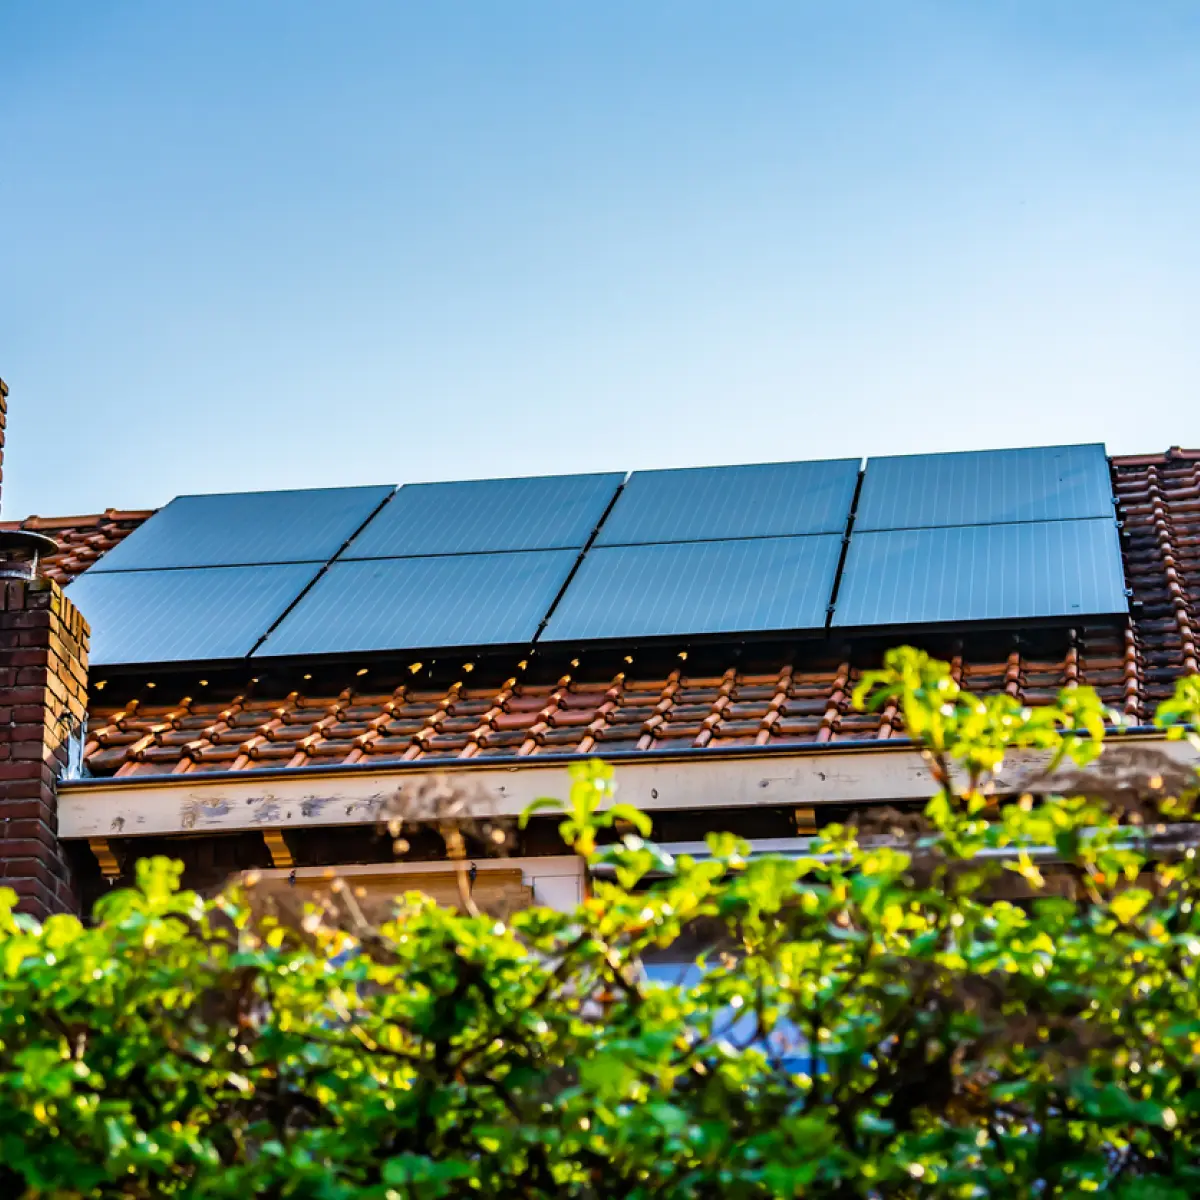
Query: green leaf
541	804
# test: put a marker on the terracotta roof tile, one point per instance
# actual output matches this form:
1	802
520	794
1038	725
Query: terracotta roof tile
81	540
801	702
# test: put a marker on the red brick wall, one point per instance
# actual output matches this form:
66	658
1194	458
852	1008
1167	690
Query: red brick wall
3	422
43	702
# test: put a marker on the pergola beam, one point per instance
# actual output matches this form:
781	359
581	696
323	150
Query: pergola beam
803	776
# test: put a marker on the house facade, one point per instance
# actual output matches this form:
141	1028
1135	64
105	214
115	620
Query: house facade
331	756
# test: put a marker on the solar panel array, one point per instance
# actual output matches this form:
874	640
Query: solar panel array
938	538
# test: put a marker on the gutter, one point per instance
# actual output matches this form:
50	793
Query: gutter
513	762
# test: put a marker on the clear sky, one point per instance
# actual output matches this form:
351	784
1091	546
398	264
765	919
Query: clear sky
256	245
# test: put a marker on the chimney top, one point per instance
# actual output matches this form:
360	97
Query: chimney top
20	552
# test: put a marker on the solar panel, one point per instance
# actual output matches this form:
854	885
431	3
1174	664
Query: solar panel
985	487
709	503
755	585
545	513
982	573
246	528
192	614
414	603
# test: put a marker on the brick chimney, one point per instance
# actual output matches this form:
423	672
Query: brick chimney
43	708
3	423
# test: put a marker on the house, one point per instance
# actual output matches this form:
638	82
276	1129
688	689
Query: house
302	682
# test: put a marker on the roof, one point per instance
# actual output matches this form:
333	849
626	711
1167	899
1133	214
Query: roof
81	540
765	695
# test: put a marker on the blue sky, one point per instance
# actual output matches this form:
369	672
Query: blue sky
266	245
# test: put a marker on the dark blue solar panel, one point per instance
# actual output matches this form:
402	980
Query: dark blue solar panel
707	503
246	528
418	603
762	584
982	573
192	614
985	487
547	513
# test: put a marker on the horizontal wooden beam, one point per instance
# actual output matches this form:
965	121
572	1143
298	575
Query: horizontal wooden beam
304	799
556	881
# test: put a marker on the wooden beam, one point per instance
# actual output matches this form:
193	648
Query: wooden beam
804	776
557	881
281	855
110	868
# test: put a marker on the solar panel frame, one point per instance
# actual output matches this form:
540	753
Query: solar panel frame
466	600
1023	571
246	529
191	614
752	585
701	504
544	512
985	487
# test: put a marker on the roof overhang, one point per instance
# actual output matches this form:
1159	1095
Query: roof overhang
311	798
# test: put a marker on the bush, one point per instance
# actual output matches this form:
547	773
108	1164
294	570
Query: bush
990	1001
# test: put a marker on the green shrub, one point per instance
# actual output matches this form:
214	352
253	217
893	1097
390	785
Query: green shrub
993	1001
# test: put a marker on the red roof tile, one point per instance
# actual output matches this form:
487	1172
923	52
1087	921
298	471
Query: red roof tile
81	540
804	699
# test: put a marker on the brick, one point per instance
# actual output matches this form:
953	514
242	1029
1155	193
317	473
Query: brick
32	788
21	790
19	770
29	868
25	847
29	656
16	809
27	750
28	638
36	897
26	620
27	827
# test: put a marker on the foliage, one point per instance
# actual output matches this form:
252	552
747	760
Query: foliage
995	1000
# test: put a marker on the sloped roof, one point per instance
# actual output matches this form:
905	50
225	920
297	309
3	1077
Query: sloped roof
749	696
765	699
